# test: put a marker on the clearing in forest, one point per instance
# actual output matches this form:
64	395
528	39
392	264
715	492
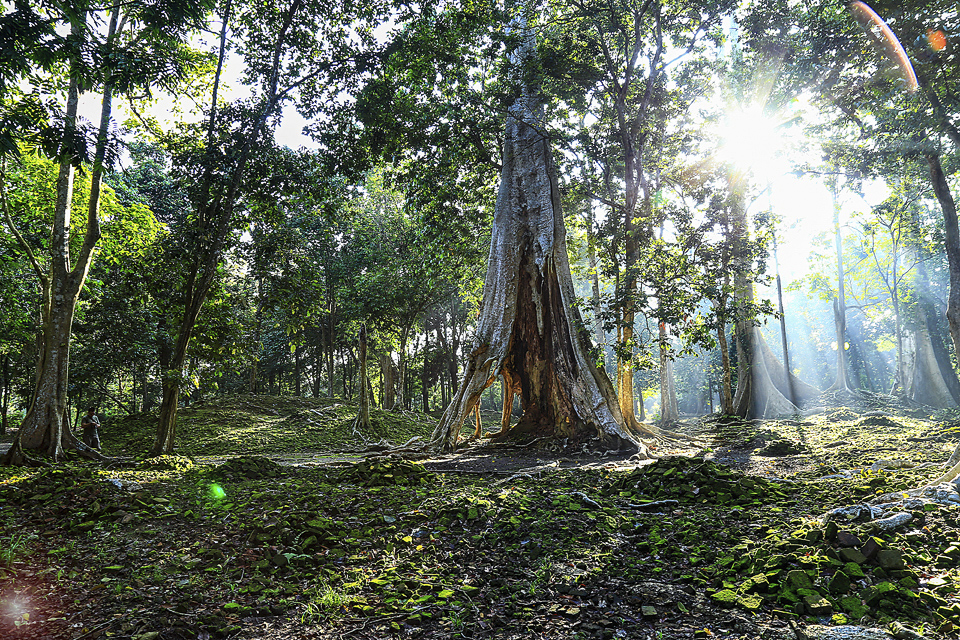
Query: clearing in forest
277	521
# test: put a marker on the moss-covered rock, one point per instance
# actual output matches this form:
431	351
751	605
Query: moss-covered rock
388	471
725	598
853	606
249	467
839	583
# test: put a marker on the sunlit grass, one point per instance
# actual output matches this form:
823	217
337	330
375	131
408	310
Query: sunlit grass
12	549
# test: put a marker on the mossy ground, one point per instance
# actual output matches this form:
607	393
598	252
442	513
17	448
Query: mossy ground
268	525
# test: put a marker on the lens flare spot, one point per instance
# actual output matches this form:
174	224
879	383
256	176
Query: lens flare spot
215	492
882	36
937	39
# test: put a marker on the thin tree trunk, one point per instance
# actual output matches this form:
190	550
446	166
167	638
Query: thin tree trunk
4	393
296	372
791	392
387	373
726	385
595	286
363	416
47	424
425	389
330	348
842	383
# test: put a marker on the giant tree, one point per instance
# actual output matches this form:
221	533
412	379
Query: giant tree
529	331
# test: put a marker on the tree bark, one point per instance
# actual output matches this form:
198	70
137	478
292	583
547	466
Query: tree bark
4	393
388	375
791	393
526	331
925	384
669	412
762	381
842	382
363	414
952	241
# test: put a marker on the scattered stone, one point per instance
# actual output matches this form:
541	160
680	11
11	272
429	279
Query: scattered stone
953	552
831	530
125	485
688	480
854	570
854	513
890	559
725	598
840	583
853	606
781	448
871	547
797	579
389	471
847	539
873	595
756	584
750	602
852	555
818	605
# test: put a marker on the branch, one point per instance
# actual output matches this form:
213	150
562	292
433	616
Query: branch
13	228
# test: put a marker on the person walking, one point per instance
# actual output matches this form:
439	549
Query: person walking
91	429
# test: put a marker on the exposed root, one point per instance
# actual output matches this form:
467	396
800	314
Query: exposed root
949	476
17	457
665	436
954	457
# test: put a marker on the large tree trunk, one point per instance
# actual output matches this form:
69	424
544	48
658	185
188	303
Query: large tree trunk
388	376
669	412
952	241
926	384
763	384
526	330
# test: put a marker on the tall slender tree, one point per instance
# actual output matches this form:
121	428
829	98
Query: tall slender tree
118	48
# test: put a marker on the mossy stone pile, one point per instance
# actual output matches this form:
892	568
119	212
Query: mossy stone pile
250	467
167	463
810	573
691	480
385	472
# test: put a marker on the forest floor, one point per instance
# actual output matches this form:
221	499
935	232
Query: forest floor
276	521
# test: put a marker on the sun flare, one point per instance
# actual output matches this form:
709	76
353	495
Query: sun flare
751	142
